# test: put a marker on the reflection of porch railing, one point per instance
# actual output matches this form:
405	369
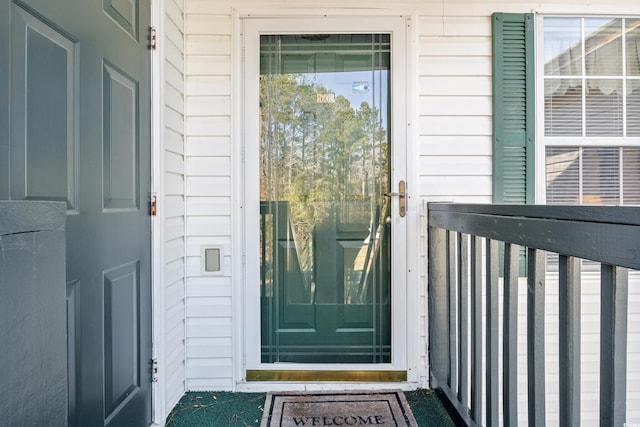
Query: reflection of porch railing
463	238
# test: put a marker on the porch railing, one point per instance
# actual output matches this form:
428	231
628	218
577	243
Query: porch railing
467	246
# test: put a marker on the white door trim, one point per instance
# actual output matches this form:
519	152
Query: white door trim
247	303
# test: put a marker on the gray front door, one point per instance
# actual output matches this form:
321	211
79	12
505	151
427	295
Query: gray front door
78	93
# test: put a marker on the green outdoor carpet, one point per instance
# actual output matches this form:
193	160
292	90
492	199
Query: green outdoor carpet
225	409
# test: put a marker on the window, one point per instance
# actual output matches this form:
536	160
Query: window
589	79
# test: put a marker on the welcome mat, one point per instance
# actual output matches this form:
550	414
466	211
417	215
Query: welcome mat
337	409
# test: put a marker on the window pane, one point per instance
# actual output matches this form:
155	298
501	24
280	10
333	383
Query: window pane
633	49
604	107
633	112
631	176
563	175
562	47
601	175
563	107
603	47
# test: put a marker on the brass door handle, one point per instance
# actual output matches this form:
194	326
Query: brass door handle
402	197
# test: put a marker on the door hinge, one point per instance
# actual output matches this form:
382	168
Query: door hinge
154	205
153	38
154	370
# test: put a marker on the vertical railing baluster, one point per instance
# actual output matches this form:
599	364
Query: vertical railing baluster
535	337
452	302
569	334
613	345
476	329
492	334
438	317
463	319
510	335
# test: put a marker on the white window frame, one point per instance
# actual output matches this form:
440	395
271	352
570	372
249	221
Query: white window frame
584	141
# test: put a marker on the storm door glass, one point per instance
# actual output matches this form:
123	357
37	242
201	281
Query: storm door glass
324	170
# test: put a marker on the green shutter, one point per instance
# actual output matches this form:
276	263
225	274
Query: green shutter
513	108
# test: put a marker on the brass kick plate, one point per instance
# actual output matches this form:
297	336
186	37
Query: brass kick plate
343	376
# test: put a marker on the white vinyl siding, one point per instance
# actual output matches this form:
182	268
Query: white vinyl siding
208	199
454	124
172	203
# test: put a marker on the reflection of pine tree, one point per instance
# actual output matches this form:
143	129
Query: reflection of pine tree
324	158
318	153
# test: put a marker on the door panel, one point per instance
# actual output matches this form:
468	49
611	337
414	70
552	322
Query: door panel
324	170
80	133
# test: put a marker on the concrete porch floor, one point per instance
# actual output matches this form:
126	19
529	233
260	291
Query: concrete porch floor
226	409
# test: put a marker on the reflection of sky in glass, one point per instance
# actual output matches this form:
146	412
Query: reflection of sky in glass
562	33
358	87
559	35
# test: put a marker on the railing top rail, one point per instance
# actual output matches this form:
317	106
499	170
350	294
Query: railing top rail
629	215
604	234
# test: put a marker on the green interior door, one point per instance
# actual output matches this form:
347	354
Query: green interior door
79	72
324	172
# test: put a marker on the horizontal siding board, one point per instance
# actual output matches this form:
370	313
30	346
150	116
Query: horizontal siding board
455	26
173	212
213	367
208	126
431	25
208	186
174	271
472	145
209	166
174	76
447	105
175	334
455	46
208	146
174	99
174	57
195	244
174	314
173	250
174	11
173	163
208	85
208	24
174	228
206	7
455	165
455	86
208	65
174	120
207	45
209	347
209	307
455	66
208	225
173	141
174	35
205	290
175	295
208	106
439	185
455	125
209	327
468	26
173	184
208	206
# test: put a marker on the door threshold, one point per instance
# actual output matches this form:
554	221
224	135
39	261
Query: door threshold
315	375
